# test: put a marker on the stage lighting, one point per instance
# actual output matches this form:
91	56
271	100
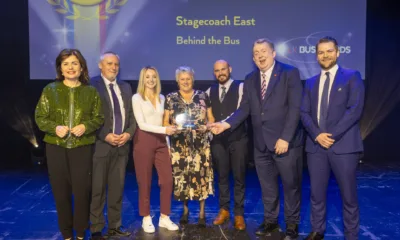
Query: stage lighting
38	156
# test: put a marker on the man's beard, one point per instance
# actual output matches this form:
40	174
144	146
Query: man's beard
227	77
333	63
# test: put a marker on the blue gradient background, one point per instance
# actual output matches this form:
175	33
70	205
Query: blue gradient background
144	32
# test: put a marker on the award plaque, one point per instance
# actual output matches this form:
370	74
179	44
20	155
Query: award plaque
185	121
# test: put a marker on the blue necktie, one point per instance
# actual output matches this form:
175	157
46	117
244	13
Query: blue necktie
323	111
117	111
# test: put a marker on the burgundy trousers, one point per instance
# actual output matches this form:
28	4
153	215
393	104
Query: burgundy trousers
151	149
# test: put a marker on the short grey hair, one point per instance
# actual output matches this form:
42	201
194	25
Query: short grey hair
108	53
264	40
184	69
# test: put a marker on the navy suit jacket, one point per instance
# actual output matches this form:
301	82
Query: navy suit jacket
278	115
102	147
346	102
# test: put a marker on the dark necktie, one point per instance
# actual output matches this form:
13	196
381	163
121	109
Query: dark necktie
323	110
222	94
117	111
263	86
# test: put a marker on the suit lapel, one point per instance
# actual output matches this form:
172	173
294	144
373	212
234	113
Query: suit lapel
335	86
315	98
125	99
103	91
273	80
257	85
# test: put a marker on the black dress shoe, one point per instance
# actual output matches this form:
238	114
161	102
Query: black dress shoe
184	218
202	222
292	231
97	236
267	228
315	236
117	232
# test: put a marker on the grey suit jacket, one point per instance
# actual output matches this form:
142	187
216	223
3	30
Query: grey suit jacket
102	147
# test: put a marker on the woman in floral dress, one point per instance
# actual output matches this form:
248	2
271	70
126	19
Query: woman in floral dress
190	148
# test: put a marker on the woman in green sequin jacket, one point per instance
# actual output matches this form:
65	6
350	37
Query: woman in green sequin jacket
69	112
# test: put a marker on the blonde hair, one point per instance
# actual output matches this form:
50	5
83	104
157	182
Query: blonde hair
184	69
141	86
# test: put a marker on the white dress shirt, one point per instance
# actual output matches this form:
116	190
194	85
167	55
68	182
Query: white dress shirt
148	117
322	79
119	96
227	84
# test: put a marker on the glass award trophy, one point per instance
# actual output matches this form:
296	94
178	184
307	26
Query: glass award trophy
185	121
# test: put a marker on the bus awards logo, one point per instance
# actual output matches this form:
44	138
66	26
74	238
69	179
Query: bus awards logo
303	50
71	10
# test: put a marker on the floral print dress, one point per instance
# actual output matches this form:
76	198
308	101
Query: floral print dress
190	150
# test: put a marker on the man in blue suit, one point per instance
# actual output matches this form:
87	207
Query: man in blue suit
331	109
272	97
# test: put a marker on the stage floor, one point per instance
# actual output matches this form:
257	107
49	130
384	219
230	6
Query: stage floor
27	208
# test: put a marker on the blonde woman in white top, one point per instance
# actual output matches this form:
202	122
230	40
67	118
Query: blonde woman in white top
150	148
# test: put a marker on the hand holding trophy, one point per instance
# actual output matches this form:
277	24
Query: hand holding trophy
184	122
181	120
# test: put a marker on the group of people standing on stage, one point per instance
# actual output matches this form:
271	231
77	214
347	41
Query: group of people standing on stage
88	125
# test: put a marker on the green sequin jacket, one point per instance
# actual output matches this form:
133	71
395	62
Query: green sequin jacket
65	106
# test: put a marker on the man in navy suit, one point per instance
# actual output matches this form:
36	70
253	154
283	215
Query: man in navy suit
272	97
331	109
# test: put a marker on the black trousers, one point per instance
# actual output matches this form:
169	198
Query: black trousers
227	156
289	166
70	175
108	174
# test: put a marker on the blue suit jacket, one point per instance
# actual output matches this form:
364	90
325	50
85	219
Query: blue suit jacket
278	115
346	101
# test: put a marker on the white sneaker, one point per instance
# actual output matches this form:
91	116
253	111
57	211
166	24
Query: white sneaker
165	222
147	225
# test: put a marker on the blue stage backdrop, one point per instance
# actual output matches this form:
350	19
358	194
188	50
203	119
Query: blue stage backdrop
170	33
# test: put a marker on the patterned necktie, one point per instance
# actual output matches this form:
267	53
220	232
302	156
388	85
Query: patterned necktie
263	86
117	111
222	94
323	110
